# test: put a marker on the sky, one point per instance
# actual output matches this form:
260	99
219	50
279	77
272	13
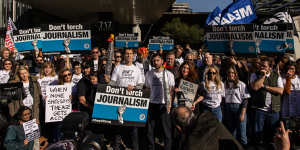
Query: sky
206	5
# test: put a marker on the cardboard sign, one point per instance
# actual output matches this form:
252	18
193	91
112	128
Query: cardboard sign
23	38
189	90
126	40
55	34
51	37
31	129
241	37
118	106
160	42
58	103
271	38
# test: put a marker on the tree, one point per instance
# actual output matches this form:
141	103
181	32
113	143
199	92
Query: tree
183	33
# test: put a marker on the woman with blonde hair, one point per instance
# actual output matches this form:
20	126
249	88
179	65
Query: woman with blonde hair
46	77
211	92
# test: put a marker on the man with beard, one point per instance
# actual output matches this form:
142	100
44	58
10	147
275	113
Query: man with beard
161	82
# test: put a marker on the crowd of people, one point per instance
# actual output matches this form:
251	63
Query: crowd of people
248	95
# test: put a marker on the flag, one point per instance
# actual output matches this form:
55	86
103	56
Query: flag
280	17
9	42
214	17
238	12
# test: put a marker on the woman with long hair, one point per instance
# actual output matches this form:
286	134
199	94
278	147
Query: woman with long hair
186	72
236	95
31	94
211	92
15	136
46	77
291	93
7	73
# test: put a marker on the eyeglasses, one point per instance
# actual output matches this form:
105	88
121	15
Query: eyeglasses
69	74
213	73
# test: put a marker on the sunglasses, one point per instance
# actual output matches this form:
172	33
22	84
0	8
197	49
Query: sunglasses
69	74
94	52
212	73
118	56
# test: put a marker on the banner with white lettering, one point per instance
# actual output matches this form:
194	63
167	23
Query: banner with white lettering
118	106
189	89
31	129
23	38
214	17
238	12
54	36
58	103
161	42
289	38
126	40
271	38
238	37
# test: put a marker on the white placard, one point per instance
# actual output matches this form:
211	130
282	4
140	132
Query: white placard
31	129
58	103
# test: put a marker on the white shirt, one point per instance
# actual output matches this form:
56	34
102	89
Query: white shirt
154	81
290	103
28	101
213	96
125	75
236	95
95	65
76	78
4	76
268	102
45	81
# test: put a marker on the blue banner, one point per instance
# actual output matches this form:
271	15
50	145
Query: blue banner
161	42
23	39
118	106
214	17
124	40
238	12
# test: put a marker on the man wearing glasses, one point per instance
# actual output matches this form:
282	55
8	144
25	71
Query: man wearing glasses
95	59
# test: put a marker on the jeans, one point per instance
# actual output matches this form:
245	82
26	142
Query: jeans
158	115
233	123
216	111
265	125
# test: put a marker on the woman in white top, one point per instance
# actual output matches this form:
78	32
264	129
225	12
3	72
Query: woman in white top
7	72
290	107
46	77
236	95
211	92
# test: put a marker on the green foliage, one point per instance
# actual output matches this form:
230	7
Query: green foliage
183	33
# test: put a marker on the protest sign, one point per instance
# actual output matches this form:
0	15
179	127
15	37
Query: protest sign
10	91
23	38
271	38
58	103
54	36
214	17
118	106
31	129
161	42
238	37
189	90
289	38
126	40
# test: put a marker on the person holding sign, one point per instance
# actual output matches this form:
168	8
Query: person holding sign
161	83
129	76
186	72
236	95
211	92
15	136
31	96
